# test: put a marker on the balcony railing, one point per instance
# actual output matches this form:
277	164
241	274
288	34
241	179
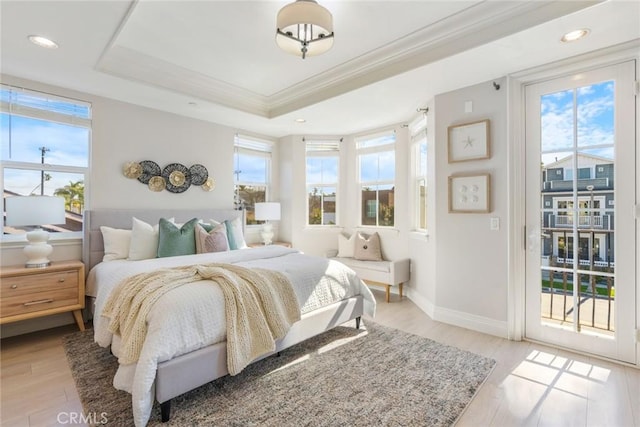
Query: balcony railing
587	221
567	185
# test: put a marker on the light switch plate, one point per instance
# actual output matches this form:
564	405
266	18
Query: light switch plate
495	223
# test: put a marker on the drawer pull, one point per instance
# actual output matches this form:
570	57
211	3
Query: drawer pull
14	286
61	280
42	301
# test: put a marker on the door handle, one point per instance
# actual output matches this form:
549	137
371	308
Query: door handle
533	239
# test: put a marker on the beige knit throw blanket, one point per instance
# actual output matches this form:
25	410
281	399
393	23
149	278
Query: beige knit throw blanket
260	307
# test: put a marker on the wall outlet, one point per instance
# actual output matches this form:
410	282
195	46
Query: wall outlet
495	223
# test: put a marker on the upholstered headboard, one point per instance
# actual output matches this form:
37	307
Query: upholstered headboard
93	245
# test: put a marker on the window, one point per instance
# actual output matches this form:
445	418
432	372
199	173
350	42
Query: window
45	151
418	133
568	174
584	173
252	160
377	170
323	159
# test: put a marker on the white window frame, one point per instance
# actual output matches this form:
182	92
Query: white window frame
418	138
66	118
322	148
390	147
257	147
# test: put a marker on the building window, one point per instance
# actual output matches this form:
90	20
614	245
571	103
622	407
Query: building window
45	151
418	134
568	174
322	166
376	171
252	174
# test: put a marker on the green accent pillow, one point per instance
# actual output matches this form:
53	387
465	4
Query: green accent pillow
174	241
231	236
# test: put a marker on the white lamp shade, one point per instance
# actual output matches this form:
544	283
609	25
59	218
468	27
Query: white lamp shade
268	211
291	19
34	210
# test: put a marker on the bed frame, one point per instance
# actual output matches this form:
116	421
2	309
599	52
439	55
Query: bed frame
189	371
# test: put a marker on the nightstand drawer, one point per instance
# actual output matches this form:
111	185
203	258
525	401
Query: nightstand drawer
28	293
43	300
33	285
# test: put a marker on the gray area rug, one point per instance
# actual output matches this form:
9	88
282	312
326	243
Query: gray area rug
344	377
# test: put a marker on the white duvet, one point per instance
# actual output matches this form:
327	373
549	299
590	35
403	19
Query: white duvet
192	316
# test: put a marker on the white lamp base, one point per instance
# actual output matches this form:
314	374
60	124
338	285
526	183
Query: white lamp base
38	250
267	233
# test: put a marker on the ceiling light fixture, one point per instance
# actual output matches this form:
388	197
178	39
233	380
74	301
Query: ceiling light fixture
300	120
43	42
304	27
574	35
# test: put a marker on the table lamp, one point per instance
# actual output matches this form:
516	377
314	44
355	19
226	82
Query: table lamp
268	211
35	211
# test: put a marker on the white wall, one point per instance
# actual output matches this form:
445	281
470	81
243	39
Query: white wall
471	260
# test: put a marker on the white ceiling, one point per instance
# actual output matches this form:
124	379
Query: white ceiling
218	61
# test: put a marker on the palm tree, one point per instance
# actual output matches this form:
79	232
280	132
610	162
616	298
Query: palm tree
73	194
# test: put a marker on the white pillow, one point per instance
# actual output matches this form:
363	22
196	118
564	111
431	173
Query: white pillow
144	240
346	245
116	243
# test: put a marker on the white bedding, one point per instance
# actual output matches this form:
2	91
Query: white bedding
192	316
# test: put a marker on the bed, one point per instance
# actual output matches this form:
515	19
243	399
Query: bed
185	346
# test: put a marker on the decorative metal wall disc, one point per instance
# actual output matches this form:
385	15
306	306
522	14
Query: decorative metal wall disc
157	183
132	170
149	170
181	177
177	178
209	184
199	174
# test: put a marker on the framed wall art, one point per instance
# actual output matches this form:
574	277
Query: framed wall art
469	141
470	193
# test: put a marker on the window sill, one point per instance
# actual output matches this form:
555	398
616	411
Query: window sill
419	235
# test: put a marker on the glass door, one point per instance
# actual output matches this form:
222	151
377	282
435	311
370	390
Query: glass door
580	198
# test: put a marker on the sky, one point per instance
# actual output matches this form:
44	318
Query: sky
21	141
594	110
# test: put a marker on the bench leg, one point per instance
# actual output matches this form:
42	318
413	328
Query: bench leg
358	322
388	292
400	289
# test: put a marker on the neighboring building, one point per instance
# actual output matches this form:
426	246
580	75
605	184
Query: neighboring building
595	219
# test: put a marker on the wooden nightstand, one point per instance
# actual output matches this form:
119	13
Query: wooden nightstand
26	293
260	244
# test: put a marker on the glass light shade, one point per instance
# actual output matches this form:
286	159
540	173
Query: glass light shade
268	211
319	25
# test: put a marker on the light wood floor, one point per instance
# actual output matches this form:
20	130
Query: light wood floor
531	385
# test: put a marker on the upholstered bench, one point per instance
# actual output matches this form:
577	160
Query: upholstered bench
381	273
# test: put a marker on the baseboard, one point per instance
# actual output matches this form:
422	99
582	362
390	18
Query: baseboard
422	302
471	321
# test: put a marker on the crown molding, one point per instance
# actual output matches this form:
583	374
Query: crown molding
133	65
469	28
476	25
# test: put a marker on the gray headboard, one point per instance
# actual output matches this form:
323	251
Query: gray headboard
93	245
